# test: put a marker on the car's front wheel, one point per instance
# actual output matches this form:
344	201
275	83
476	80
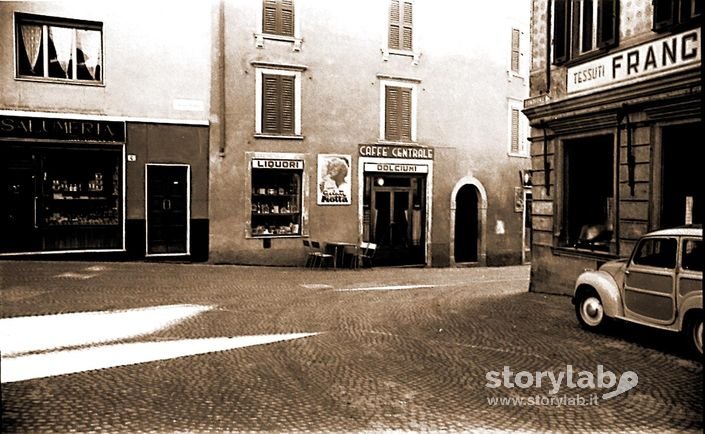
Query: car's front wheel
590	311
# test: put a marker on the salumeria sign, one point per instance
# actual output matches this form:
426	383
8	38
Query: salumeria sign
658	56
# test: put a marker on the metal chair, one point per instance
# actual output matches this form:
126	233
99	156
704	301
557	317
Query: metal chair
319	256
365	253
310	254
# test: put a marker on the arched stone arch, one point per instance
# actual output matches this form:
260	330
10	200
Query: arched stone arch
481	217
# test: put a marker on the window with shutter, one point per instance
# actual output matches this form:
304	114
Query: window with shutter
401	25
278	116
278	102
515	132
516	35
398	113
278	17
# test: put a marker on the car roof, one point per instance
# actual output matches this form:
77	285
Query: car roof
680	231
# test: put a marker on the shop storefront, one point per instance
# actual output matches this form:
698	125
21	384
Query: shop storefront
396	184
62	185
613	156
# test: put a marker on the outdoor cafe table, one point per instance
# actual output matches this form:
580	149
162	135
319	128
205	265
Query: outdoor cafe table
337	248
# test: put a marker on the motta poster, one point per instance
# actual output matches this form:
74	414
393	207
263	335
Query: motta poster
334	174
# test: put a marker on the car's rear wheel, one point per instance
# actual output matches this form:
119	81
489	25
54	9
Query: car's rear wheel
590	311
694	333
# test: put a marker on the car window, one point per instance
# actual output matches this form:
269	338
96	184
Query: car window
656	252
692	255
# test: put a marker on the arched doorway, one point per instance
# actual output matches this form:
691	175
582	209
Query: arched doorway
466	224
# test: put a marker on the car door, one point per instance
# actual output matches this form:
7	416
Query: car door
690	272
650	281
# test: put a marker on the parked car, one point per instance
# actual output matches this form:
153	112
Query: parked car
659	285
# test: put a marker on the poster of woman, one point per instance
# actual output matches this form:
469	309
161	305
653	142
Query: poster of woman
334	174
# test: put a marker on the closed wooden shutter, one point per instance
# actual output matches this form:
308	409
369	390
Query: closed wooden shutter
397	114
401	25
515	131
407	22
394	25
607	23
515	49
287	103
278	17
560	31
278	104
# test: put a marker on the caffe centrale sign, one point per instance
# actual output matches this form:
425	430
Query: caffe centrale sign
60	129
649	59
396	151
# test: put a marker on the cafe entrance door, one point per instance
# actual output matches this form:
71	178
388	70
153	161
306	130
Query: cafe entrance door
396	219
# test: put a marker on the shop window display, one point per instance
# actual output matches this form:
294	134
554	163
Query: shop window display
276	202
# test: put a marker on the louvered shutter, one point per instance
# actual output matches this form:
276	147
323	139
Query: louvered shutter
560	31
278	17
287	103
391	114
407	23
405	114
515	49
607	23
287	18
269	16
394	26
515	131
270	103
397	122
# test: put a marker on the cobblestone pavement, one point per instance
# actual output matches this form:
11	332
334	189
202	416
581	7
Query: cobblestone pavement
398	350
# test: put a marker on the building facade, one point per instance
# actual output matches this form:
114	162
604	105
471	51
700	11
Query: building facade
395	122
104	129
616	115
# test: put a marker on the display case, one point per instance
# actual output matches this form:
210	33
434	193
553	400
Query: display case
276	200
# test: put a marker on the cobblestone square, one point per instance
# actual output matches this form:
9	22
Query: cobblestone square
375	350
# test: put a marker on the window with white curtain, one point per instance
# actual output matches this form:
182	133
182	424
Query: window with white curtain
53	48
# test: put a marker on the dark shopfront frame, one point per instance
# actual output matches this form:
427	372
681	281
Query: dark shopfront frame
58	203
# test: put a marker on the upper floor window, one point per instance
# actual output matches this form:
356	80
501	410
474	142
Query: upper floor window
670	14
516	51
398	120
401	25
278	22
54	48
518	130
278	102
278	17
583	26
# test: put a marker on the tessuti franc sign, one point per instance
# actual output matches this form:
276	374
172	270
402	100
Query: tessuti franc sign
60	129
649	59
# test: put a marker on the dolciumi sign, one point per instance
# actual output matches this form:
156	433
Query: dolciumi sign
655	57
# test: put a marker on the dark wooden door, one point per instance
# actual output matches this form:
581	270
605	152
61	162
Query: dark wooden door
167	209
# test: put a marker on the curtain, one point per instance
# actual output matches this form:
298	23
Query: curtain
32	38
63	44
88	41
